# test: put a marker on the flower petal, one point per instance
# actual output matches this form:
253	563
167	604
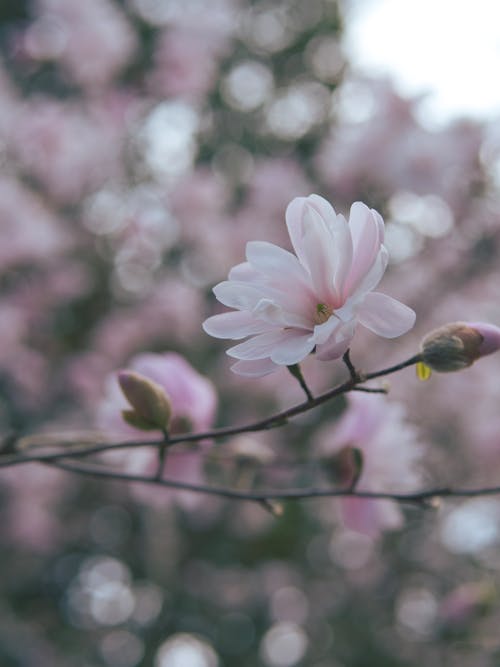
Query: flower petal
271	312
319	252
366	240
290	291
244	272
274	261
324	208
259	347
343	257
255	368
294	213
322	332
293	350
235	325
372	278
385	316
322	242
239	295
338	343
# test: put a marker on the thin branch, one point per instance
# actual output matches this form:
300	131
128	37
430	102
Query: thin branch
350	366
274	421
296	371
162	454
371	390
393	369
267	495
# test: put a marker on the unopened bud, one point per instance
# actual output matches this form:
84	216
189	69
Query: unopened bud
458	345
345	467
151	407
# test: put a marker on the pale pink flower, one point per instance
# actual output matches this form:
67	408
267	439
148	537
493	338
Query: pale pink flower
95	39
194	402
291	305
390	449
192	396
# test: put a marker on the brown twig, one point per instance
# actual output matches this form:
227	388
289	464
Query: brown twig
274	421
267	495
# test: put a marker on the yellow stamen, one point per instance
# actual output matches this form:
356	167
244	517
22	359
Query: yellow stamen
423	371
323	313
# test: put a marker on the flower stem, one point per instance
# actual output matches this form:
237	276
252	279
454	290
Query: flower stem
296	371
350	366
162	454
27	448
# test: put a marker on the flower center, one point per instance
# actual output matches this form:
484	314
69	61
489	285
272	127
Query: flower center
323	313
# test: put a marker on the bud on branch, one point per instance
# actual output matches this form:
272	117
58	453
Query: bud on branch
151	407
458	345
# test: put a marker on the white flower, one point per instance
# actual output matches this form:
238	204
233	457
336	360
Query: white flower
291	305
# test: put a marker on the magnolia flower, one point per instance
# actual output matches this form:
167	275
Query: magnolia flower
193	401
291	305
390	451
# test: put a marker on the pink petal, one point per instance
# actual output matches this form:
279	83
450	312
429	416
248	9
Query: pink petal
259	347
324	208
322	242
337	344
239	295
372	278
293	350
243	272
255	368
320	253
271	312
370	517
290	290
294	213
366	241
343	256
235	325
385	316
275	261
322	332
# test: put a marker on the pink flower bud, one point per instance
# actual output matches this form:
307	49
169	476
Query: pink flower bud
345	466
151	405
458	345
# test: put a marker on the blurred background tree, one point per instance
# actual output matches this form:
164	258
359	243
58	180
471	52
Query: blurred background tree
142	144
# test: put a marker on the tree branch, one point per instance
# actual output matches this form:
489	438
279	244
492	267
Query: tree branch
274	421
420	497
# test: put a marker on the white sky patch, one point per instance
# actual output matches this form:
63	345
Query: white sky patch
446	48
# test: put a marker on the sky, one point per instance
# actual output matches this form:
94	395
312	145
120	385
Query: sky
447	49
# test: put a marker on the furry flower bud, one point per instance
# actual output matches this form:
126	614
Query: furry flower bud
151	407
458	345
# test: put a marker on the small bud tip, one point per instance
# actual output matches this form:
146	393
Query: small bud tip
458	345
491	337
151	405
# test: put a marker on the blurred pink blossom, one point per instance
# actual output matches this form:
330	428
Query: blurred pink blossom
274	182
466	603
390	451
23	241
194	403
68	148
95	39
187	61
391	150
34	494
291	305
